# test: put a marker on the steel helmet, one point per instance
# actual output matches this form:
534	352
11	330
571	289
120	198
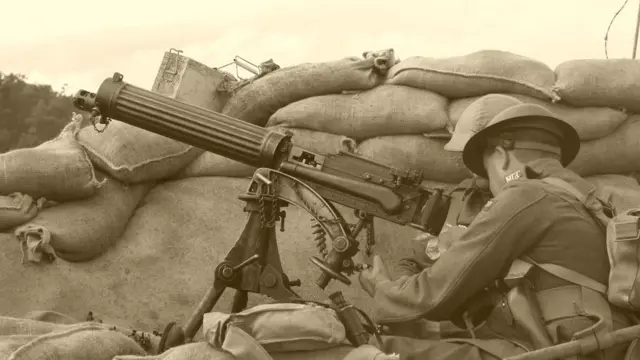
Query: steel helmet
476	117
522	117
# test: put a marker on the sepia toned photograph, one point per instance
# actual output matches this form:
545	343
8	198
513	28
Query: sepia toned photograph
335	180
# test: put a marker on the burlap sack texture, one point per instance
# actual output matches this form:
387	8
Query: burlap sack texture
590	122
134	155
600	82
57	170
27	339
478	73
16	209
258	100
616	153
162	265
55	336
172	241
622	191
203	351
142	155
383	110
417	152
194	351
82	230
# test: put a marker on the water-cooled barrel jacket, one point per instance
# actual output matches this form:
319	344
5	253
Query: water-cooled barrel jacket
527	217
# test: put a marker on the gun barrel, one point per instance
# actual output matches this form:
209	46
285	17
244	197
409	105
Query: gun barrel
205	129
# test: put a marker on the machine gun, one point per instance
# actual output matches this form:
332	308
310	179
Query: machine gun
286	174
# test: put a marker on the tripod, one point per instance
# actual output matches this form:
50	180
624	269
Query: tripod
252	265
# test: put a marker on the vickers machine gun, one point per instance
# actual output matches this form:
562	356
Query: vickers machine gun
286	174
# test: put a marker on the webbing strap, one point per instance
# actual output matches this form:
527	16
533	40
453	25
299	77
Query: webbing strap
561	271
570	275
566	187
596	211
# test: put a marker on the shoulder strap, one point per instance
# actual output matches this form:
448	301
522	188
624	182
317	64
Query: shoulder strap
566	187
597	214
569	275
561	271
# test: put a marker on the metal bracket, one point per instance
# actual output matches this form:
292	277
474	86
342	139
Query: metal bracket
173	72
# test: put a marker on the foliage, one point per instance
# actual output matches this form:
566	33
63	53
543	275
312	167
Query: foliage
30	114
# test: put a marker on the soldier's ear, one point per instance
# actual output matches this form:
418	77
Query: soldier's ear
503	157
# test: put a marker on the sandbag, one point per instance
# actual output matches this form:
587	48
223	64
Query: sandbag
134	155
280	327
417	152
616	153
383	110
81	230
49	317
192	351
259	99
475	74
25	339
600	82
16	209
623	191
204	351
57	170
590	122
210	164
166	260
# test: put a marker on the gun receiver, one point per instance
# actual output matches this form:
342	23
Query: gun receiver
393	194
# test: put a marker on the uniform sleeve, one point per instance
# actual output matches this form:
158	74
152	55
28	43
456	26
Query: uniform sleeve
509	224
418	262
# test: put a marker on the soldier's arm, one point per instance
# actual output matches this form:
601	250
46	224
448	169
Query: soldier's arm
506	228
418	262
468	198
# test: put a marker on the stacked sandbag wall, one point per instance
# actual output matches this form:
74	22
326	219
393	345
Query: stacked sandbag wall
404	115
400	113
56	171
58	204
72	197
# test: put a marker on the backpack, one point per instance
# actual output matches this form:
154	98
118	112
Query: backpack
623	248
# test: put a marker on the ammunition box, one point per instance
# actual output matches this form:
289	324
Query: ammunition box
192	82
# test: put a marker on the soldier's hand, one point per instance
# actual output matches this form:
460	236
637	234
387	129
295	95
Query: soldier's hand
370	277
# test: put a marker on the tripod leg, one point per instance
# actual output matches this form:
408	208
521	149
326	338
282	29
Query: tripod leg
240	300
173	335
206	305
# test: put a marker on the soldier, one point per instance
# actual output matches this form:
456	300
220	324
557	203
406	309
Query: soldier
468	197
467	200
526	219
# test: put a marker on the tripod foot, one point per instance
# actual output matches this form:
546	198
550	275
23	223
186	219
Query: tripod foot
172	336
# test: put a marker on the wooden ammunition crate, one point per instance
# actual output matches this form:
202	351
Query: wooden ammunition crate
189	81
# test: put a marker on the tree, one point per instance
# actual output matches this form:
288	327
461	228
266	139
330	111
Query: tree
30	114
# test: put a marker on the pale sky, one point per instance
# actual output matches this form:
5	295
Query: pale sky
82	43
